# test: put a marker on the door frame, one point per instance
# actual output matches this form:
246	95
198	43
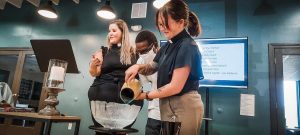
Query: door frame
276	84
14	129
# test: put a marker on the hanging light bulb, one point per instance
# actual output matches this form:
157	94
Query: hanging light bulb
47	10
106	11
159	3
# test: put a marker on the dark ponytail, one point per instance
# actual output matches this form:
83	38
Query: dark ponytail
178	10
194	27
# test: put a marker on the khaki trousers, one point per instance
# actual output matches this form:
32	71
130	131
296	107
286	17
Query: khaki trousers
187	109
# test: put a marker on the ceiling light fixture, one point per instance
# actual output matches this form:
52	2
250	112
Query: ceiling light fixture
106	11
159	3
47	10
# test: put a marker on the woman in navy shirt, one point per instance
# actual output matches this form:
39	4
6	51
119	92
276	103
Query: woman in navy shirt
178	64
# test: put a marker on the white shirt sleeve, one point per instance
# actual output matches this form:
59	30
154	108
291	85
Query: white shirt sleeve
6	94
143	79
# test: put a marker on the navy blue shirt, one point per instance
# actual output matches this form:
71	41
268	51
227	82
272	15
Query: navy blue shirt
179	52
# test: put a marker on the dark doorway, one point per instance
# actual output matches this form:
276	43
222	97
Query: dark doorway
284	76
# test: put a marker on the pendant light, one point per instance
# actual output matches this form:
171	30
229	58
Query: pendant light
159	3
47	10
106	11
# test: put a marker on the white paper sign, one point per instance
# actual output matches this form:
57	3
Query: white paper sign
247	107
57	73
69	126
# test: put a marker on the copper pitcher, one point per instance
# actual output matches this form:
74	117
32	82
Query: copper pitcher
130	90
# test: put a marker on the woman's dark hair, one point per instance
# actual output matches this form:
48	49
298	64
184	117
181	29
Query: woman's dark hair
148	36
178	9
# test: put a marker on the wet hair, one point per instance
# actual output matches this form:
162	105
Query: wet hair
148	36
177	10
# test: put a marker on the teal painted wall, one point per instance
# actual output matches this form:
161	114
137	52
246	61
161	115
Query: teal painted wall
228	18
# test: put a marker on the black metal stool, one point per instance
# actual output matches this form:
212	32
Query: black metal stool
113	131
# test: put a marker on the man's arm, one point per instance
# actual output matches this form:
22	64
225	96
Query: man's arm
148	69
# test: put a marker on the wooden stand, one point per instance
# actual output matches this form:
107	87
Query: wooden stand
51	101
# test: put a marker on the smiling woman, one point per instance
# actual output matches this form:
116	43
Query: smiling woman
108	67
178	66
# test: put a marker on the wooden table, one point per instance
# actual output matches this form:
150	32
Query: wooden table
48	120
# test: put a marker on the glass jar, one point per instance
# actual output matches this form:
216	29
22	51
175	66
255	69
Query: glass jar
56	73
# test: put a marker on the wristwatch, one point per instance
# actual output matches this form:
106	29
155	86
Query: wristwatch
147	97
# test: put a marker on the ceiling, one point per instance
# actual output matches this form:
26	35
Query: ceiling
18	3
36	3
